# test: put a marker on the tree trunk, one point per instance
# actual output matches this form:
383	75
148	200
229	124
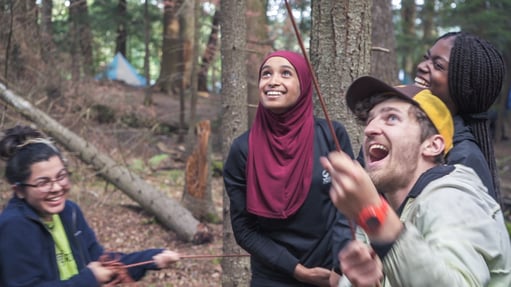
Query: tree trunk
186	43
148	96
170	35
79	13
383	52
186	35
258	45
49	53
167	211
408	15
429	33
74	38
192	25
47	45
209	52
197	196
122	33
171	57
21	44
340	53
86	40
236	270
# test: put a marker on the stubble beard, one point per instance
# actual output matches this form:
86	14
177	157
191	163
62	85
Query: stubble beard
392	178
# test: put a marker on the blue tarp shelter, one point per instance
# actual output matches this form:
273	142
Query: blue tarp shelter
121	70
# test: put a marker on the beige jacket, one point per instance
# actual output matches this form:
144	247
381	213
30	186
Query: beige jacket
455	236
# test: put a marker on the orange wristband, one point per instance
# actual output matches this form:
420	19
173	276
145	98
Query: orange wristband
371	217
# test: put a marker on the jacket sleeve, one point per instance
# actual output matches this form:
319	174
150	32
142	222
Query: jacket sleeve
466	151
342	228
469	154
343	138
138	272
244	225
94	250
23	258
446	243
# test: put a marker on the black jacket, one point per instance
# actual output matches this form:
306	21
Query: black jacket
313	236
466	151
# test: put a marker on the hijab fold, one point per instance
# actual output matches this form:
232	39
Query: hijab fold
280	151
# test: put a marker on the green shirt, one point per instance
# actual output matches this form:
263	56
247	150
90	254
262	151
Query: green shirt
65	260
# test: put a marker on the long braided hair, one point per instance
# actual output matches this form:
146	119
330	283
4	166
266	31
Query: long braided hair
474	86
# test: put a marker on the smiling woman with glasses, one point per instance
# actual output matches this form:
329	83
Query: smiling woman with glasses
45	184
44	237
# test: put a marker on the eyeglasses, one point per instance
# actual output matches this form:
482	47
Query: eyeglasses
45	185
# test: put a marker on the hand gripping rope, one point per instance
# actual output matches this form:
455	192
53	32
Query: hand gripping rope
121	270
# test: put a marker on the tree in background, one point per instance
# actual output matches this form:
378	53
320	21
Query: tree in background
47	30
148	96
383	51
258	45
408	39
236	270
340	53
122	33
81	40
210	51
186	64
429	30
197	193
176	58
170	41
19	42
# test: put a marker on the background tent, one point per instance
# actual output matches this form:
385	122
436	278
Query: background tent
121	70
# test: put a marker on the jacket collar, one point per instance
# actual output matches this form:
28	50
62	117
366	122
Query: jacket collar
425	178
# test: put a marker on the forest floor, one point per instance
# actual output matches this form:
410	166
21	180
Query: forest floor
133	135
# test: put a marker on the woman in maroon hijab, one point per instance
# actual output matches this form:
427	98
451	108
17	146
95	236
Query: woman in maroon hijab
281	210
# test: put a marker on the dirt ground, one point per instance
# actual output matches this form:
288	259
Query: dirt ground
132	135
118	221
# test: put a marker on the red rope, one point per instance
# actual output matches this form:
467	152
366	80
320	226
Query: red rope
120	270
193	256
316	86
199	256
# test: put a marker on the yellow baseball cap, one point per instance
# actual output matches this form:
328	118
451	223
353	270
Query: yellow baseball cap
437	112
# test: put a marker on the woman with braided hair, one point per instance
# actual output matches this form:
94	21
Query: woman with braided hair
467	73
44	237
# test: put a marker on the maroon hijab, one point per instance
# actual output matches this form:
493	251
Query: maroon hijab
280	148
